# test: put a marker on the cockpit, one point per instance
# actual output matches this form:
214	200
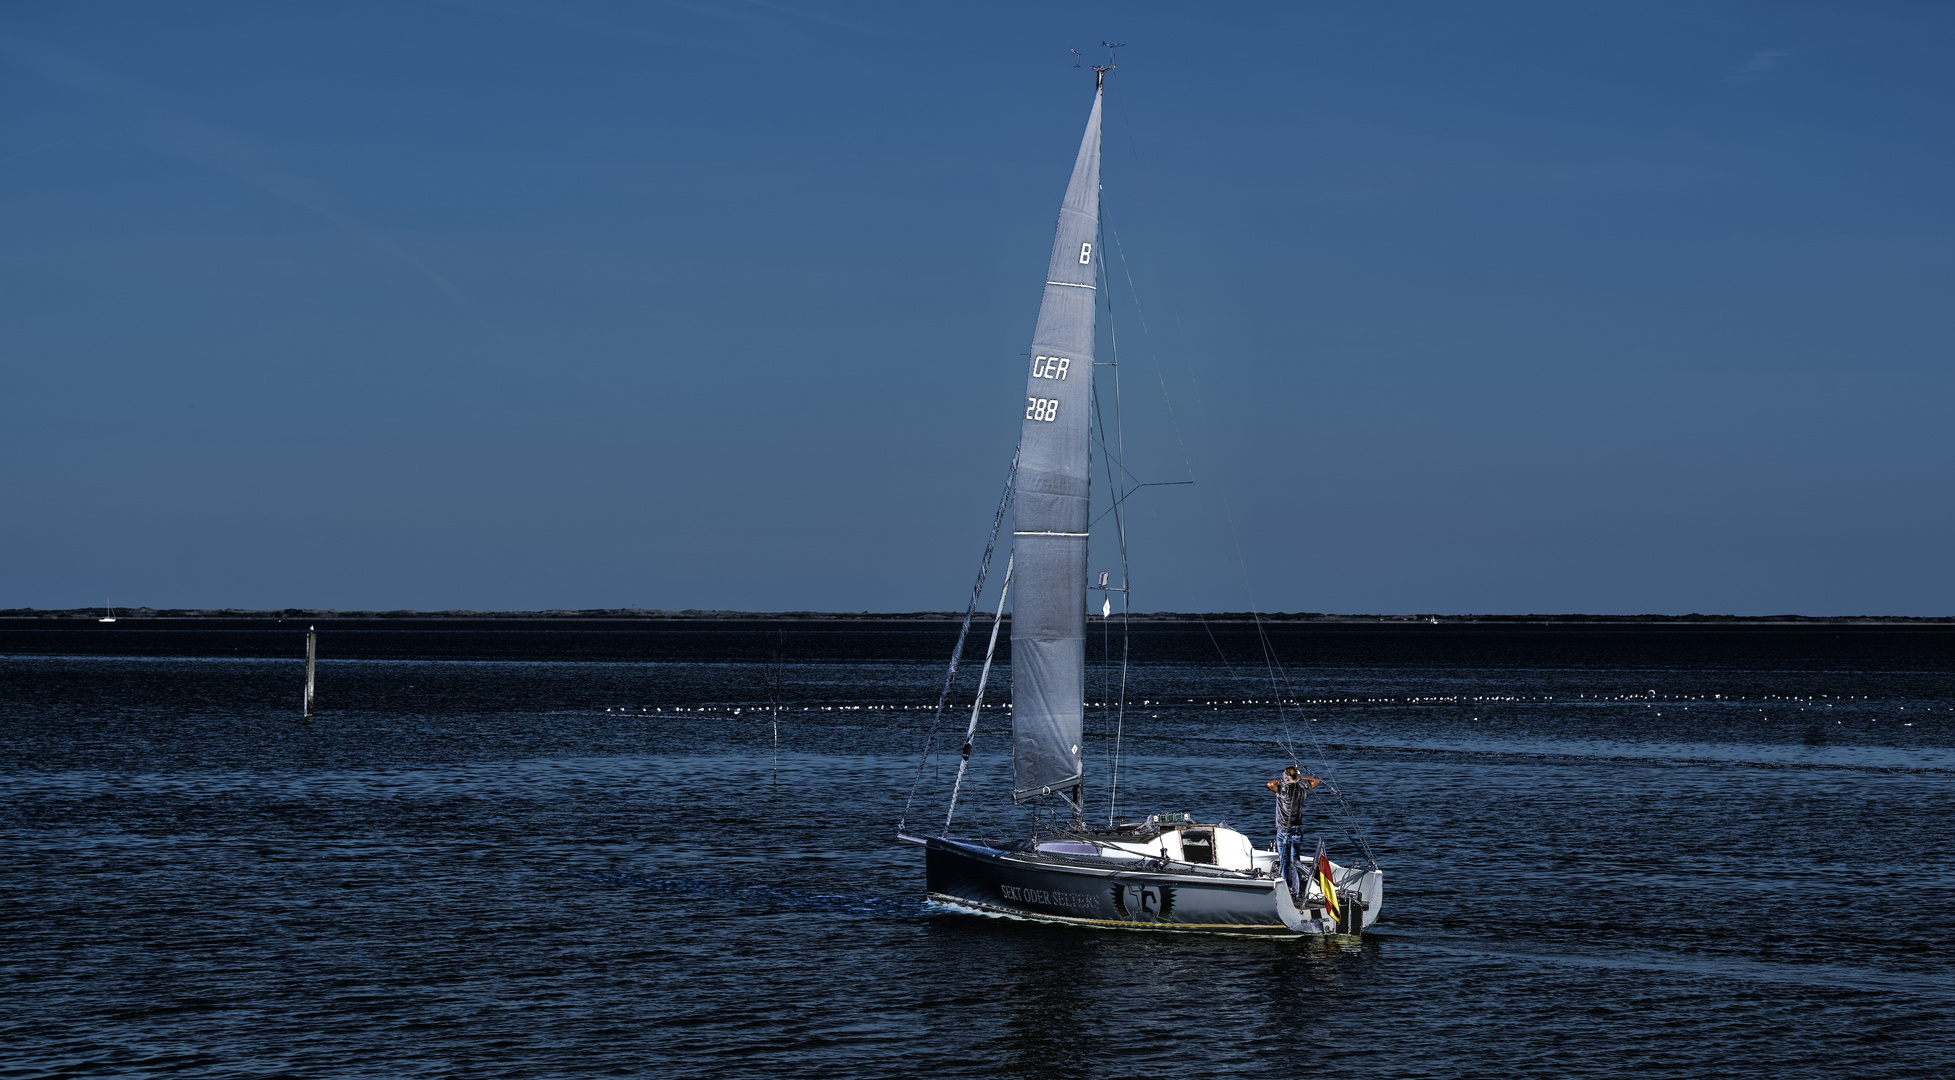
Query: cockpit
1175	838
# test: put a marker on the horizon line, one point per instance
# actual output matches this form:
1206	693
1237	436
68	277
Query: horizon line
727	615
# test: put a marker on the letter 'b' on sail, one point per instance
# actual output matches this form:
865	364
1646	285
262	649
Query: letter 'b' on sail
1048	607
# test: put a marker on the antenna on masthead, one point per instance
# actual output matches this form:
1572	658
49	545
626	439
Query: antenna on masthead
1099	70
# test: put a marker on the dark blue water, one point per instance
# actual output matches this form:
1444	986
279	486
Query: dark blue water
560	851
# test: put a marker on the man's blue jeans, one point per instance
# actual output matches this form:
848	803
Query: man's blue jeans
1289	845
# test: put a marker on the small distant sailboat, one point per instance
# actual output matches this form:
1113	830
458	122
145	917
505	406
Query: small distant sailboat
1166	872
108	613
311	655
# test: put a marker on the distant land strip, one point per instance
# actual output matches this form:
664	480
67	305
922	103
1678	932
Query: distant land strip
696	615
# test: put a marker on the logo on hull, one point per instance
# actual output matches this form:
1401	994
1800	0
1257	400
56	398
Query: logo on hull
1141	902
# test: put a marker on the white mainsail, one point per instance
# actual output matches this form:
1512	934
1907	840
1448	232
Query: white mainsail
1049	523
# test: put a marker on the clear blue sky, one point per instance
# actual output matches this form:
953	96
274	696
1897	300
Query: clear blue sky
1462	308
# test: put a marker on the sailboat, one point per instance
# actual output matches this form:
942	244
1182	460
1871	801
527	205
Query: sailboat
108	613
1167	872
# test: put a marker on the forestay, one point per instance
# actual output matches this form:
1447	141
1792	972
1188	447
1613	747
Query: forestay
1048	617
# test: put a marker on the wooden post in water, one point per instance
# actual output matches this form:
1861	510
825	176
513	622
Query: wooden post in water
311	653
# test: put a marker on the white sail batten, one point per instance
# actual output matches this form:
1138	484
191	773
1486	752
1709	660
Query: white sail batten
1048	620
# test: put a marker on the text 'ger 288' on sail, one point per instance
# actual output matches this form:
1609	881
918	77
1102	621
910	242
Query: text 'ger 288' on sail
1050	504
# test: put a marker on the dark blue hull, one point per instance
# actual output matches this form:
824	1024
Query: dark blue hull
1099	892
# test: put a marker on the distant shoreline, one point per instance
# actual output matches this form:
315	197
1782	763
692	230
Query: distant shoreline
16	616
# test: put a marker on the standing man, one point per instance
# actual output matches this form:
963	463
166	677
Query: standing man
1290	789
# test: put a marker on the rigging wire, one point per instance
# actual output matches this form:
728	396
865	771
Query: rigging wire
1112	722
977	703
1117	455
957	652
1278	677
1232	547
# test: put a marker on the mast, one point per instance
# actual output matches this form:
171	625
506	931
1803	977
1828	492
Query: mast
311	653
1050	503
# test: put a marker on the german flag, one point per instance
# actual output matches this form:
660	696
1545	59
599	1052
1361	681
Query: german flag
1325	884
